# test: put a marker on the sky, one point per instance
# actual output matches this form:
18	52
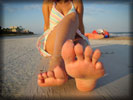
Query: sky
114	17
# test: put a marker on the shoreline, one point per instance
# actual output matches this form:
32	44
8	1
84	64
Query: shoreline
37	35
20	36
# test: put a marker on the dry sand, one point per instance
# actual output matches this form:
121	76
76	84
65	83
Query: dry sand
21	58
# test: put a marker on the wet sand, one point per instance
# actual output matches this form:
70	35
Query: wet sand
21	63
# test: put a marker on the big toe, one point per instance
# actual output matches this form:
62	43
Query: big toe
59	73
67	52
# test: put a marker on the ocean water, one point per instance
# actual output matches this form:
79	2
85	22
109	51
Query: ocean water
129	34
116	34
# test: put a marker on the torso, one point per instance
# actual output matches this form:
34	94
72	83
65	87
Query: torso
64	9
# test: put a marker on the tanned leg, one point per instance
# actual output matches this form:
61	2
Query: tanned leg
65	30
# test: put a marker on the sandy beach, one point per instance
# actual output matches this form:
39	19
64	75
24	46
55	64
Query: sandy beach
20	67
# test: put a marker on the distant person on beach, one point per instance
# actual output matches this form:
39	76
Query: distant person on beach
106	34
64	42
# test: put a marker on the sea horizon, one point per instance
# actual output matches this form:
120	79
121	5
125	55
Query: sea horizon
112	34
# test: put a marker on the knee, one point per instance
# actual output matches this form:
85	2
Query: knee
73	14
74	17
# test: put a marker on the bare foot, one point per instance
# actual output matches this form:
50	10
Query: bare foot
85	69
52	78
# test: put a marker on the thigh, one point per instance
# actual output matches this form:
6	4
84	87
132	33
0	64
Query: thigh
67	26
50	42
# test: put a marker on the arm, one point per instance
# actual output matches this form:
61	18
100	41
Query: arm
80	9
45	10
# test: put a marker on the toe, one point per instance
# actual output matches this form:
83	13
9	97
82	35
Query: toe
40	83
79	51
40	76
99	66
68	53
45	75
96	56
50	74
88	53
59	73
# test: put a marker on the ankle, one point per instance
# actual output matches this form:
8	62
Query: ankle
55	57
55	60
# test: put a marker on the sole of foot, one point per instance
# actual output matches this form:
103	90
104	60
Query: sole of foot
82	65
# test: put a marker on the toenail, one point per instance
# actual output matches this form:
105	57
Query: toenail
70	40
78	44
